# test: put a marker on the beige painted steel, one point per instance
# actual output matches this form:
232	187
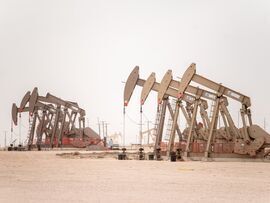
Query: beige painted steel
188	88
164	90
246	137
161	124
147	87
212	127
134	79
25	100
56	123
229	119
182	87
228	134
186	79
249	116
204	115
40	132
173	130
188	120
60	137
14	114
172	116
247	140
156	87
130	85
222	90
53	99
192	124
191	71
50	116
164	85
33	100
259	136
71	105
32	131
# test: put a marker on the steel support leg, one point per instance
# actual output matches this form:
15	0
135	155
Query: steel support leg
56	121
161	124
212	128
177	126
40	132
32	131
174	127
191	128
60	136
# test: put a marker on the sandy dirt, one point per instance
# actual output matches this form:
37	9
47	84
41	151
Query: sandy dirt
45	177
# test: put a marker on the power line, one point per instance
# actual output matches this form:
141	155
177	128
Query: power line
146	117
148	120
132	119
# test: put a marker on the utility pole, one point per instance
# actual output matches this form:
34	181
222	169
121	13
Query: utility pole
20	127
103	131
106	129
124	125
148	130
140	138
99	133
5	138
11	132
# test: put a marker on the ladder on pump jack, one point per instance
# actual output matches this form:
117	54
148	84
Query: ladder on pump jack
170	121
250	140
29	129
212	110
158	115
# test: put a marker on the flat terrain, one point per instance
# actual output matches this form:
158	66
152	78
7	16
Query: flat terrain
45	177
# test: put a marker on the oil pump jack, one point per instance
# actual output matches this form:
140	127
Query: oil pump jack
204	140
56	119
167	88
249	140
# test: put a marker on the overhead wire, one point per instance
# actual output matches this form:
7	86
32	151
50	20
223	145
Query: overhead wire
133	121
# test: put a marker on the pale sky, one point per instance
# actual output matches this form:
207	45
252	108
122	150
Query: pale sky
82	50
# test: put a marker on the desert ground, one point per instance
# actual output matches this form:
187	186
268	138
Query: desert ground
45	177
